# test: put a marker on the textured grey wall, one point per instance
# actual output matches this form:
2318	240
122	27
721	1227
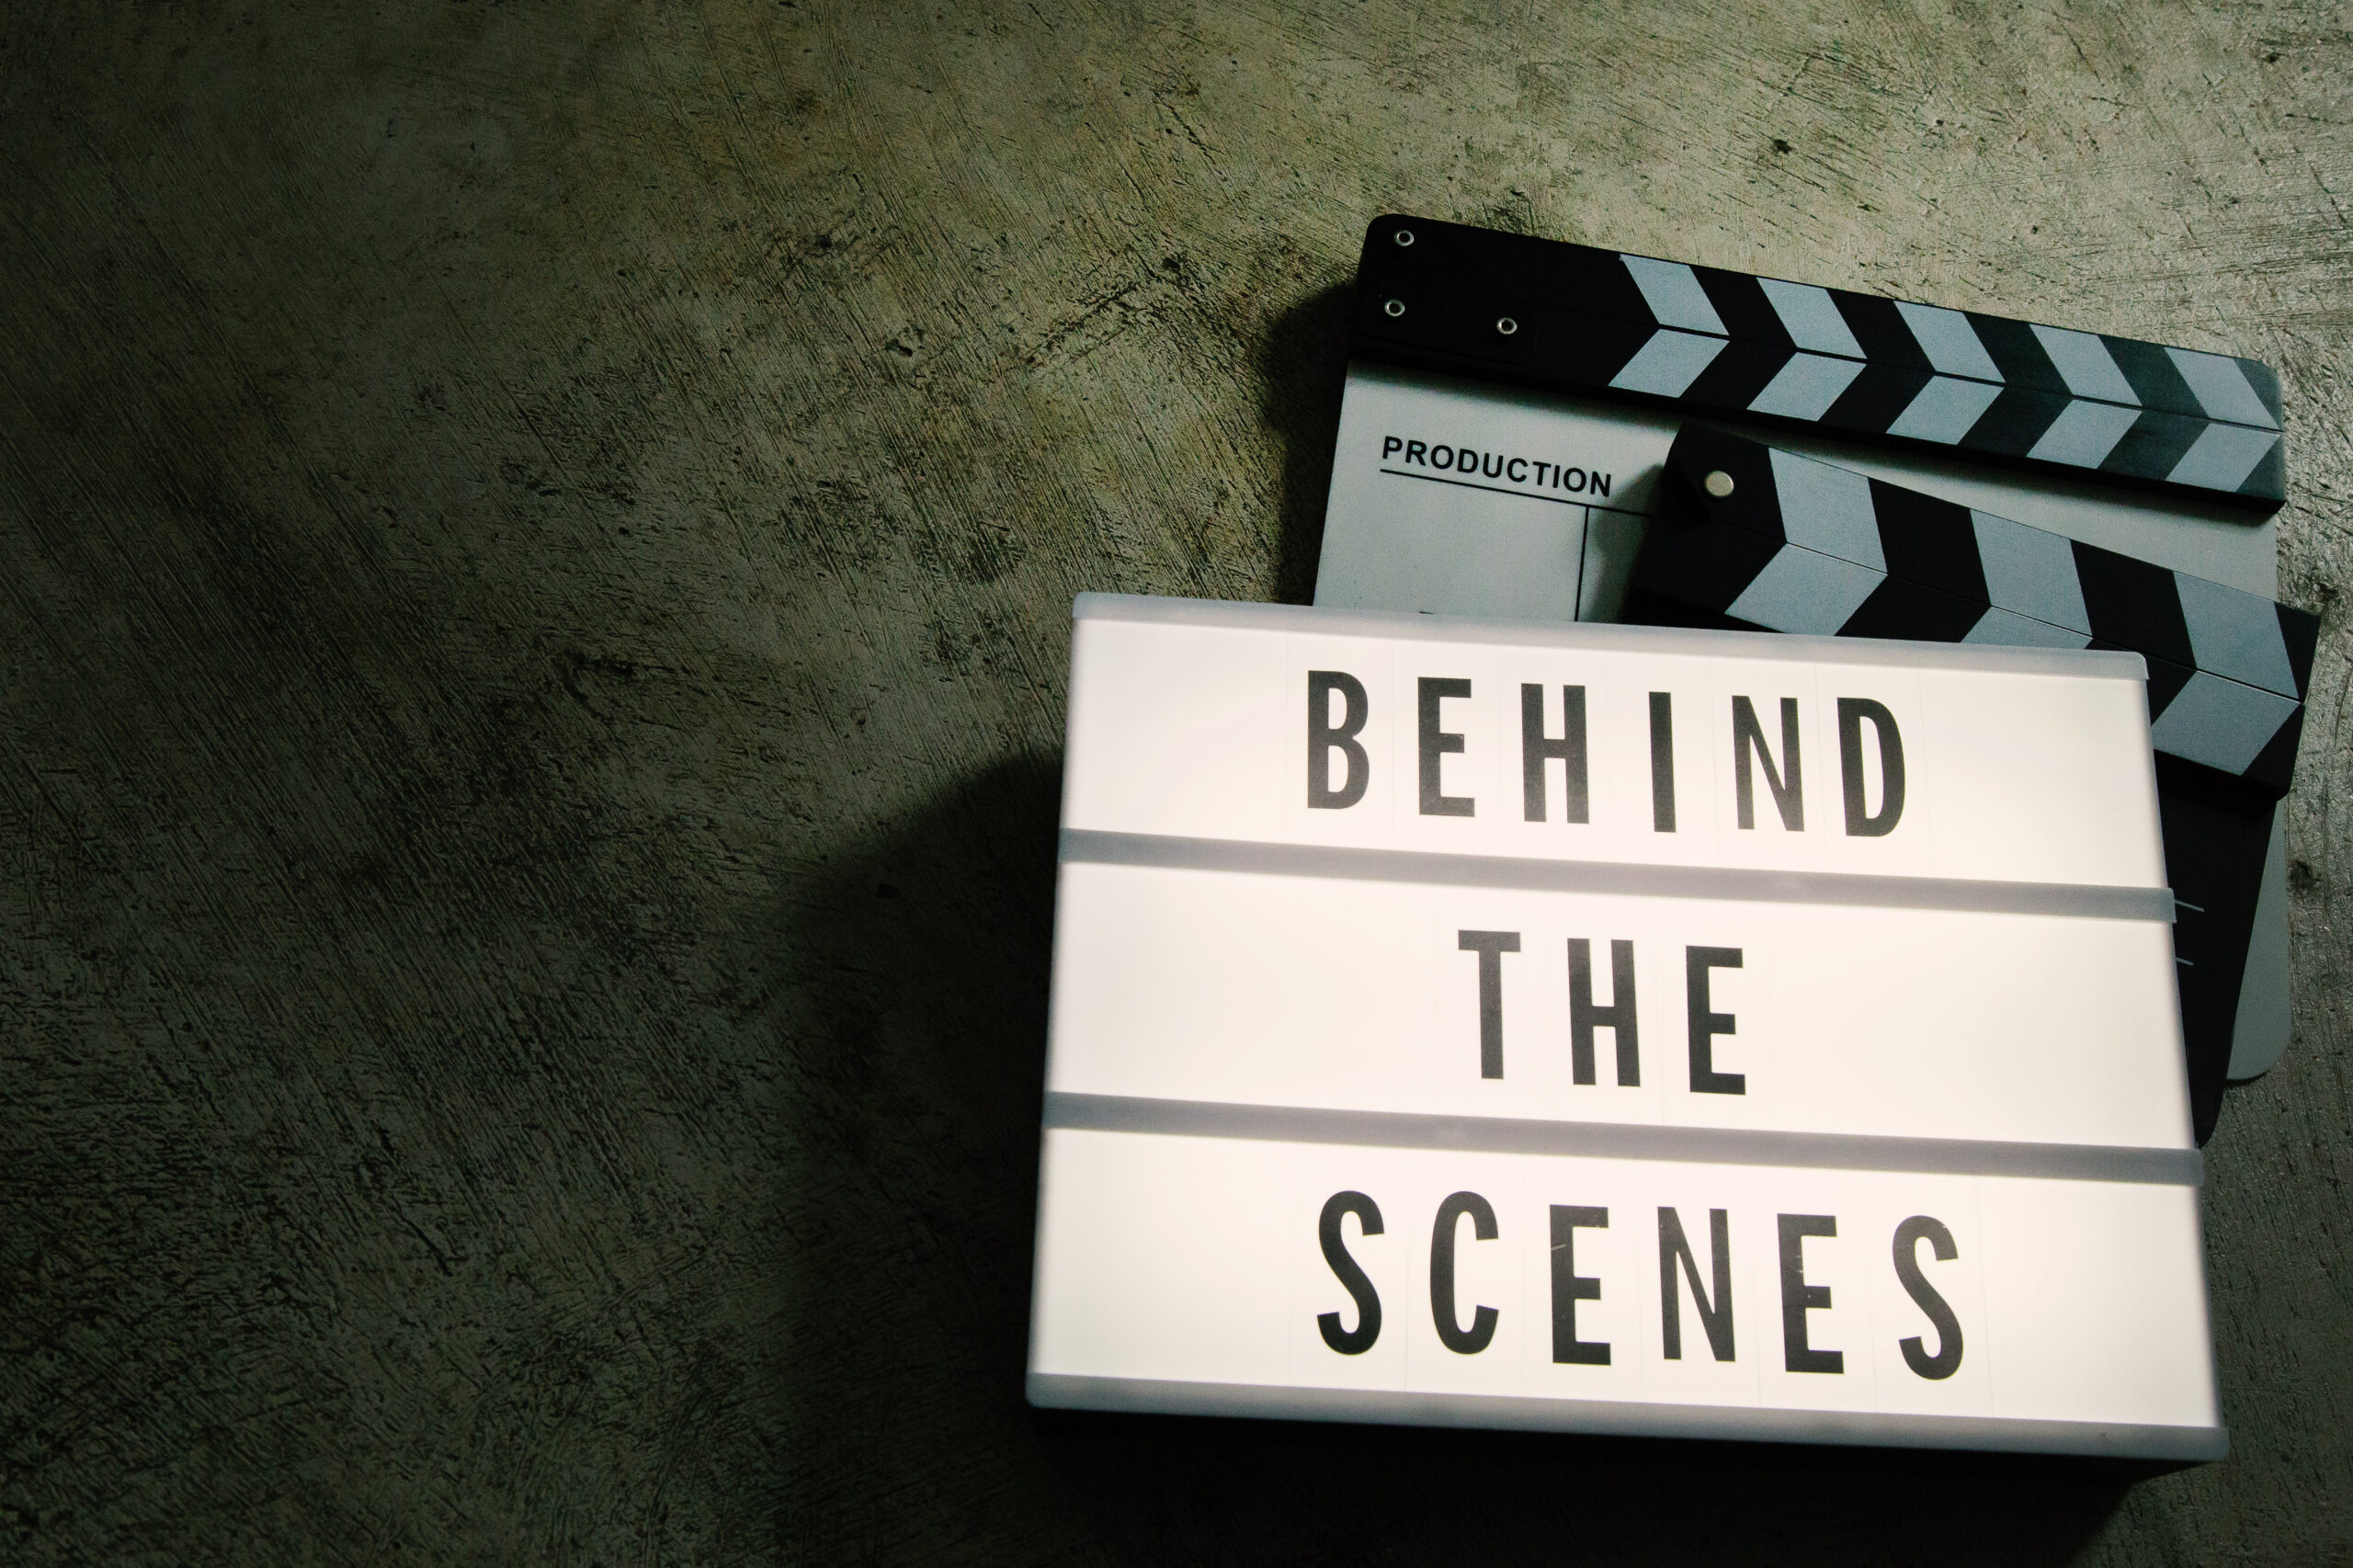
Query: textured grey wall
535	548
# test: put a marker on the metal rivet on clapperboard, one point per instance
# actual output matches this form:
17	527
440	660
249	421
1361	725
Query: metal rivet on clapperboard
1404	236
1719	483
1505	326
1395	308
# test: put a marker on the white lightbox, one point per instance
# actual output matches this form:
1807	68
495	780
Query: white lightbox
1615	1030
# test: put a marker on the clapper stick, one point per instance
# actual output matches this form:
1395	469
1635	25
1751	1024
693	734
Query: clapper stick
1795	544
1446	296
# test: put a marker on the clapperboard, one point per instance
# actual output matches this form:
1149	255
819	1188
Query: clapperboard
1510	408
1615	1028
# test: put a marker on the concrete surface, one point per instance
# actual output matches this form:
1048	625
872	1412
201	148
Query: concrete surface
535	548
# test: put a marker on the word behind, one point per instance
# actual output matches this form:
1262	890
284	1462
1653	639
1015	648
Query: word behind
1872	779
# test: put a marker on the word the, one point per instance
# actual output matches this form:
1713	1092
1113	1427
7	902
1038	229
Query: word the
1618	1017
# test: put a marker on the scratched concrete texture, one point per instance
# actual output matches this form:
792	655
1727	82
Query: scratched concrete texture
536	544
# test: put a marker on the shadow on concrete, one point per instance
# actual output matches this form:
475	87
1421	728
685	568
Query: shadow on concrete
917	1021
913	1020
1303	366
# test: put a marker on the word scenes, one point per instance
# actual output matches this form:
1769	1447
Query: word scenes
1679	1274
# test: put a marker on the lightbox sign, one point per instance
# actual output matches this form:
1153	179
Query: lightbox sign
1615	1030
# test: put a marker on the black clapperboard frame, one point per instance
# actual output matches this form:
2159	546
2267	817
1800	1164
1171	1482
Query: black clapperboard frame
1615	1028
1505	446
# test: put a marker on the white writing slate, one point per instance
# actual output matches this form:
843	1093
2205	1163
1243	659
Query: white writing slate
1616	1029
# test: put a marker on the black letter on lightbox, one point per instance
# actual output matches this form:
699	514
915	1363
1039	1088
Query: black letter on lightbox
1491	947
1537	748
1748	743
1798	1298
1662	761
1324	738
1705	1025
1908	1236
1569	1286
1852	712
1355	1341
1618	1017
1715	1315
1437	744
1452	1334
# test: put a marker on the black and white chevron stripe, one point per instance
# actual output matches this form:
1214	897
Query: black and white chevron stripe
1474	302
1764	538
